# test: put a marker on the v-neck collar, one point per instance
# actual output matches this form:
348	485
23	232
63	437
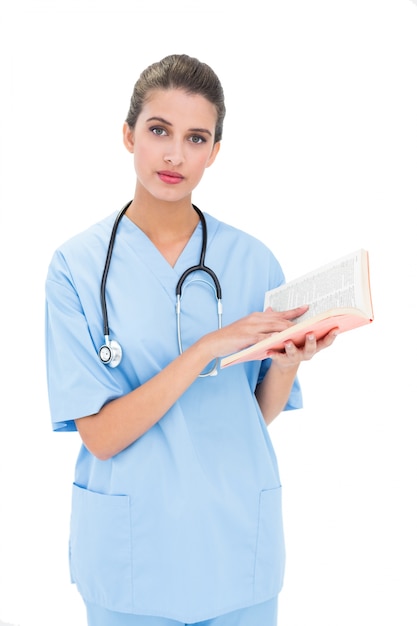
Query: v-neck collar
148	255
141	243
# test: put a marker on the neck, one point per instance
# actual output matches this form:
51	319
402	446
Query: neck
168	225
159	216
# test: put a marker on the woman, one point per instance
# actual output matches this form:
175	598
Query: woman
176	512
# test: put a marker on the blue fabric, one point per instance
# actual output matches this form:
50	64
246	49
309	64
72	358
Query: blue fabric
264	614
185	523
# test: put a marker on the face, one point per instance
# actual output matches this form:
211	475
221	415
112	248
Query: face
172	143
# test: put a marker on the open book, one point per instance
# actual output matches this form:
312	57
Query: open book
338	295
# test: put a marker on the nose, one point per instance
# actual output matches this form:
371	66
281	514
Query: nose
174	154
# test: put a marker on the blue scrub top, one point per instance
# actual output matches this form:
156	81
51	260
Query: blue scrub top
186	522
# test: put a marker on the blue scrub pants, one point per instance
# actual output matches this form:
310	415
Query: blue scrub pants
264	614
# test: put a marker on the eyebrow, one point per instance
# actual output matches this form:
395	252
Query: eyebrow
164	121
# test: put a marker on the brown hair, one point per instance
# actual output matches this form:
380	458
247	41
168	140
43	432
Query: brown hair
179	71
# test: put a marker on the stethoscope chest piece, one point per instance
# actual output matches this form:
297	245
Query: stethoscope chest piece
110	352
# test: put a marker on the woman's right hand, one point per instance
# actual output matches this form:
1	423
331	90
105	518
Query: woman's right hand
249	330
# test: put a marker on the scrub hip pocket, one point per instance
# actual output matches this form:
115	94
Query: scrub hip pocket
270	548
100	548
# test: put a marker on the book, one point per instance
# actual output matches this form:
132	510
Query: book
338	295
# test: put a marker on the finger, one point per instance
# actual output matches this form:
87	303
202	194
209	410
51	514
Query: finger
310	346
291	350
328	339
293	313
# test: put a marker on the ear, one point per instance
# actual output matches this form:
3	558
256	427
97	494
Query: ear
214	153
128	137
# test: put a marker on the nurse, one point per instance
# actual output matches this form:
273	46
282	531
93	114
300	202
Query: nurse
176	504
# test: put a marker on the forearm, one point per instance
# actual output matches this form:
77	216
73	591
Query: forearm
273	392
123	420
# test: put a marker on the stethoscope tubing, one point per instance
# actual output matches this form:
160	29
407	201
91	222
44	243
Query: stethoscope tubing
107	267
201	265
110	352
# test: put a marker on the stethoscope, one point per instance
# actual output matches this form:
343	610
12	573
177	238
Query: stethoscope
111	352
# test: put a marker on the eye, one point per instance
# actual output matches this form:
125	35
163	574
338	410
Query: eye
197	139
158	131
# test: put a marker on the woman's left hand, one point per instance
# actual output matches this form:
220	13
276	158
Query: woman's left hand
292	355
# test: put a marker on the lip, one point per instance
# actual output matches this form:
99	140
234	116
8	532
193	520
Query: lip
172	178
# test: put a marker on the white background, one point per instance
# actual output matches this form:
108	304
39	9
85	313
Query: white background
319	158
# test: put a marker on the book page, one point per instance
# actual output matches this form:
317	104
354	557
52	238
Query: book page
337	284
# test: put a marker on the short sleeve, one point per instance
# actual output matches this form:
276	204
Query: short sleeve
78	384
